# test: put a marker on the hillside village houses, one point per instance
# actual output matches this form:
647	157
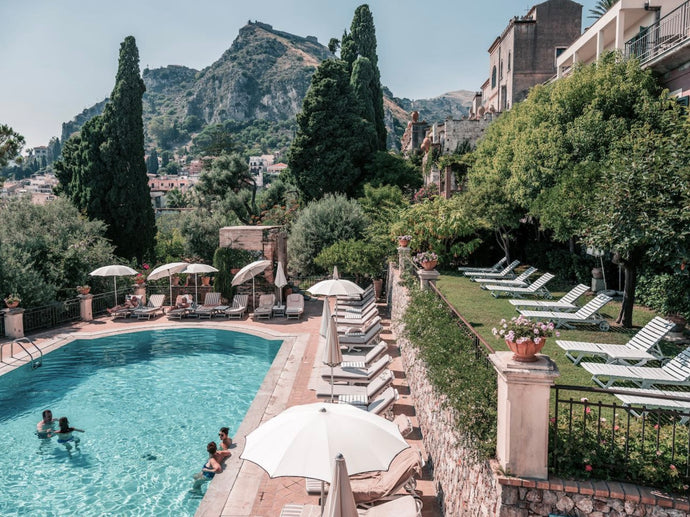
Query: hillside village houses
544	45
39	186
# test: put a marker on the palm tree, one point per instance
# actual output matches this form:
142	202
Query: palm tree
600	8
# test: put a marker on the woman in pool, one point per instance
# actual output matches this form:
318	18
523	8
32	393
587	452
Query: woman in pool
64	433
211	467
225	443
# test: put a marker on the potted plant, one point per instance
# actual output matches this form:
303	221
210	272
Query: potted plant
427	259
524	337
83	289
140	279
12	300
205	280
404	240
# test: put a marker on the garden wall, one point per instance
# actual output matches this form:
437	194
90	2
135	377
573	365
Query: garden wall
469	488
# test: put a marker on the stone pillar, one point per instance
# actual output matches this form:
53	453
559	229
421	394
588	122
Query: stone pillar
85	309
14	323
426	277
403	255
522	442
140	290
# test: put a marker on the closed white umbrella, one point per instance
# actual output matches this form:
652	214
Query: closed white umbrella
280	281
114	270
167	270
249	272
325	317
332	355
341	500
198	268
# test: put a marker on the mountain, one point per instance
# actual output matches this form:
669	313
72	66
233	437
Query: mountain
256	88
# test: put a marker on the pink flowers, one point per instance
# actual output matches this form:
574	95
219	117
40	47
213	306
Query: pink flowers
520	329
588	468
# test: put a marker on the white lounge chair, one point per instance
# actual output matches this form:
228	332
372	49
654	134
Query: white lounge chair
183	306
210	306
493	269
587	314
366	358
238	308
676	371
346	393
153	307
358	301
357	339
522	280
356	373
537	288
565	304
342	316
403	506
642	347
265	307
294	306
651	398
383	404
505	273
123	311
358	327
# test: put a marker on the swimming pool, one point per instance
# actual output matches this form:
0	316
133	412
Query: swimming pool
149	402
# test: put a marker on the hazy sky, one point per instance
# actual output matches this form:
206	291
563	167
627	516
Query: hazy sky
59	57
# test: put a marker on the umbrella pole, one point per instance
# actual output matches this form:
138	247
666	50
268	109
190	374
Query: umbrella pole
323	493
170	284
331	384
253	295
196	290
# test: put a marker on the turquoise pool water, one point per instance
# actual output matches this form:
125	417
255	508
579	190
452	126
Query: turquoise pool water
149	403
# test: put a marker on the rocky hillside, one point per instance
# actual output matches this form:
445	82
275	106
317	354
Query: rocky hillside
263	76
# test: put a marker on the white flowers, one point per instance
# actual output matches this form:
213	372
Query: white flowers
520	329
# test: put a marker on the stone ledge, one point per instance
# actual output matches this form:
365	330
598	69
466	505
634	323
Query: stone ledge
610	489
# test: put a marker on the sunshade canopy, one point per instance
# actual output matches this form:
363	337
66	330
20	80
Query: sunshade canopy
250	271
335	287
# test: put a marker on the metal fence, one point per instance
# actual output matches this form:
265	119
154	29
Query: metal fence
606	440
669	32
53	315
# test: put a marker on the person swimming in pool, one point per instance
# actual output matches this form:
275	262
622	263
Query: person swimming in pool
45	428
64	434
211	467
225	443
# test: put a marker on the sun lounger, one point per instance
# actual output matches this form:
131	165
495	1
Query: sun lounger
358	327
361	393
650	399
238	308
676	371
381	405
493	269
505	273
642	347
153	307
587	314
382	485
537	288
183	306
294	306
265	307
373	354
358	301
565	304
520	281
342	316
355	374
124	311
404	506
210	306
359	339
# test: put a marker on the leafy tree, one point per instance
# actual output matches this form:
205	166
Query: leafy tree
175	198
224	260
152	162
53	252
333	142
320	224
392	169
11	144
354	257
601	8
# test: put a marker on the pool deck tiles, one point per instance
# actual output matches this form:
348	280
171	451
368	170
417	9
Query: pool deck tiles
244	489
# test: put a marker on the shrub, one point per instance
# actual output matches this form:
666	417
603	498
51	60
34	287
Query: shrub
225	259
665	293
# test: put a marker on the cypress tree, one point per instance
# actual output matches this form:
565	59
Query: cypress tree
152	162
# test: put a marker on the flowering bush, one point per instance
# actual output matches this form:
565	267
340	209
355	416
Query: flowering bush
520	329
426	256
12	298
404	237
140	279
83	289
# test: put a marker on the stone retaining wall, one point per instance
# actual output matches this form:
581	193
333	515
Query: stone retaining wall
478	489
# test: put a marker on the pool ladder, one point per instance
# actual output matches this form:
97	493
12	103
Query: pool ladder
35	361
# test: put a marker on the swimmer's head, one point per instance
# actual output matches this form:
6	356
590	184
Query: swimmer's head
47	415
212	448
64	424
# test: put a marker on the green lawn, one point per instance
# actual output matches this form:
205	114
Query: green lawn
484	312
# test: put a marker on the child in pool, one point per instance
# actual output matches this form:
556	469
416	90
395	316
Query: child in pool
64	433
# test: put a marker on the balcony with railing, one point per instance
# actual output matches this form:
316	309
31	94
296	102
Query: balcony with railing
664	45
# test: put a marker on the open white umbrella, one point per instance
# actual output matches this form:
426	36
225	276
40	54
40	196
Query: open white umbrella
198	268
332	355
167	270
280	281
335	287
303	441
114	270
341	500
250	271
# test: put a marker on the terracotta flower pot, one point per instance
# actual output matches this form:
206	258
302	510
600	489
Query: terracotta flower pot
84	290
12	305
429	265
206	280
526	351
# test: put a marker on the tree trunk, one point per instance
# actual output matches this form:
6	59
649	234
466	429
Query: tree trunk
503	242
625	316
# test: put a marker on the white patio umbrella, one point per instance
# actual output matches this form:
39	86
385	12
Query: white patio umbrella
280	281
167	270
114	270
198	268
325	317
303	441
250	271
335	287
332	355
341	500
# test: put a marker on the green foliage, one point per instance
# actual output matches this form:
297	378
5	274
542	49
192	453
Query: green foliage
321	224
11	144
176	199
225	259
333	142
47	250
170	243
666	293
465	378
152	162
600	8
355	257
391	169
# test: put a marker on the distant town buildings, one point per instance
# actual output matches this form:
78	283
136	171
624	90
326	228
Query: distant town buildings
38	186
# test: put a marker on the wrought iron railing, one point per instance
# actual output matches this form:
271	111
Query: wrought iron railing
605	440
669	32
53	315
